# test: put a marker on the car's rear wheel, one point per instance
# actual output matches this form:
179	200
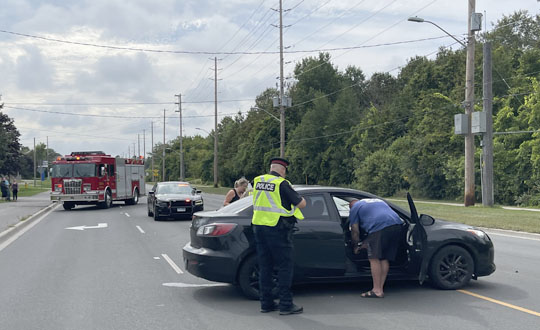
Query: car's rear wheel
248	279
451	268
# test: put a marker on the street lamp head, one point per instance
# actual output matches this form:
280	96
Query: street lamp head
415	19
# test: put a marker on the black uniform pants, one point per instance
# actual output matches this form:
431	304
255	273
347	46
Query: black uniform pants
275	251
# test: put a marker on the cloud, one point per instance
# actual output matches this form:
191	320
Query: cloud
126	76
34	72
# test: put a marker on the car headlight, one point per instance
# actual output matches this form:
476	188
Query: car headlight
161	203
479	233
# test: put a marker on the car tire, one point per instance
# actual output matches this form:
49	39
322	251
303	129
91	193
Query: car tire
107	202
135	199
451	268
248	279
68	205
156	216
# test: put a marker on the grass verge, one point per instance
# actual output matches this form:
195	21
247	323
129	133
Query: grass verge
490	217
212	190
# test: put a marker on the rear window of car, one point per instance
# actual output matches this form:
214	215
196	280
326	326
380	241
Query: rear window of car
240	206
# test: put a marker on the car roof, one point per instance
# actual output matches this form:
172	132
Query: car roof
174	182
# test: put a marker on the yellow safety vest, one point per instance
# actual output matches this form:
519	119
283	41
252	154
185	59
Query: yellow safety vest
267	206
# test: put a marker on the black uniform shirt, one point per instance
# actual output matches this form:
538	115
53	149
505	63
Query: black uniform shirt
288	194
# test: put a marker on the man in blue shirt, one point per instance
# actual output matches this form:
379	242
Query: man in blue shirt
383	227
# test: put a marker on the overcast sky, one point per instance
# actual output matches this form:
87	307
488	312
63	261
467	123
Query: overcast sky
111	94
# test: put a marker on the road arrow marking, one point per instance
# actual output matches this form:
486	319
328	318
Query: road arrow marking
100	225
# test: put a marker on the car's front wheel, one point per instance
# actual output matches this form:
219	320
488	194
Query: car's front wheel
451	268
156	214
248	279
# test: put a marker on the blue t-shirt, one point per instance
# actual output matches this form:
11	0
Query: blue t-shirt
373	214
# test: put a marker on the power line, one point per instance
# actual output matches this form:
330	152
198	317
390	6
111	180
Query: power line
113	116
123	103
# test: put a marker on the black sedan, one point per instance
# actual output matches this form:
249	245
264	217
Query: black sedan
174	199
222	246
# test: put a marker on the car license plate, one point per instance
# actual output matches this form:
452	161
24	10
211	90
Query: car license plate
179	209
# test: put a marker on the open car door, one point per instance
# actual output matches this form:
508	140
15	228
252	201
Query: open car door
416	241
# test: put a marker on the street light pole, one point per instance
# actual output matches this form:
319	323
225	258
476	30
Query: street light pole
469	106
469	100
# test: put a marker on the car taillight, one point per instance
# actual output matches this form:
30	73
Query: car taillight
58	187
216	229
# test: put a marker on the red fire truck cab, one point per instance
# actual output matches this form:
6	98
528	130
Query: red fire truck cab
92	177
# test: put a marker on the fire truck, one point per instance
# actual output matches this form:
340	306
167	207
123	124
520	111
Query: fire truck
92	177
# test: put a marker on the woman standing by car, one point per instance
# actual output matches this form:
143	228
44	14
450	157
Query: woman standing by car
234	194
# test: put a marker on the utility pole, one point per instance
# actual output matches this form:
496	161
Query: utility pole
281	94
215	126
163	155
144	143
487	139
180	138
152	142
47	157
34	162
469	107
138	145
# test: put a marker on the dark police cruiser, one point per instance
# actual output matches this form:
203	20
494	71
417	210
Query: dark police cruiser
222	247
174	199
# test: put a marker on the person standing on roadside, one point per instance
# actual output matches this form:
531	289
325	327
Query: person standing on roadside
3	187
383	227
276	206
235	194
15	189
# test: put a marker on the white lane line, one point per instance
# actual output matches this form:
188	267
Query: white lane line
188	285
127	215
27	228
173	265
513	236
140	229
157	258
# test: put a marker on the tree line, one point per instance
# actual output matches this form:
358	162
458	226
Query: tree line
384	134
388	134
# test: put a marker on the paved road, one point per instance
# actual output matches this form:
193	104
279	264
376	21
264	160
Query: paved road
122	277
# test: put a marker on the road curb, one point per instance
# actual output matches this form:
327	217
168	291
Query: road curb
22	224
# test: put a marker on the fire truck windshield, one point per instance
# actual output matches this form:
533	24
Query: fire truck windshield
74	170
62	170
84	170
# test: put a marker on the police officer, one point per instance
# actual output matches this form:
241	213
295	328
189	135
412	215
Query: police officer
276	206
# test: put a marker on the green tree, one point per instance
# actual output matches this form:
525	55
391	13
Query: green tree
10	147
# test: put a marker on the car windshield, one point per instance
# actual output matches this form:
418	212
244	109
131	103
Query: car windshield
62	170
238	206
174	188
84	170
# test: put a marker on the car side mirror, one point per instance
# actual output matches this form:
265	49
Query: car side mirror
426	220
198	192
151	192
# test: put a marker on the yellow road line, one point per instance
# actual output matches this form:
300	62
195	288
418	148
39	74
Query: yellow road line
521	309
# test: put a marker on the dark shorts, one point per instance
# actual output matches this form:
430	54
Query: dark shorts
383	244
